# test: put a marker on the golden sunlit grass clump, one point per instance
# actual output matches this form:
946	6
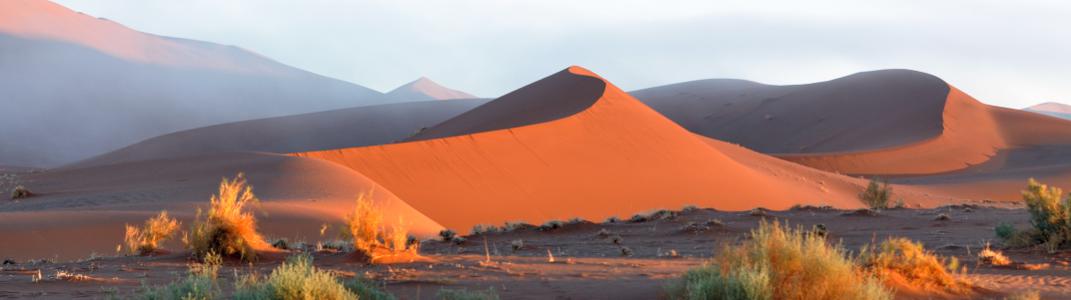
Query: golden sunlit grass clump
375	241
227	228
147	239
902	262
778	262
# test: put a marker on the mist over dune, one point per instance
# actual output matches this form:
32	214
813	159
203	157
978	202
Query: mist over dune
77	86
348	127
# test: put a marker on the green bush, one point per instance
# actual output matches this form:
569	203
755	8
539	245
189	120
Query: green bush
200	284
1050	214
877	194
779	263
297	278
1005	231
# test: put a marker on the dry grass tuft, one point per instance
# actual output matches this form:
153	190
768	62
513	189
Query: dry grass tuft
147	239
227	228
779	263
902	261
374	240
20	192
993	257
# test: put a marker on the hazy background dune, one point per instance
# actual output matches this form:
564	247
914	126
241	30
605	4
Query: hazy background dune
76	86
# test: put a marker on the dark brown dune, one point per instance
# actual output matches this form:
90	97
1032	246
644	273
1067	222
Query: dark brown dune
351	127
583	148
79	211
888	123
863	111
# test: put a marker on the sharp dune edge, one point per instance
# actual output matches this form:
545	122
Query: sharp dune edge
298	196
603	154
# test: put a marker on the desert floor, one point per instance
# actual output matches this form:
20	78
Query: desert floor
587	265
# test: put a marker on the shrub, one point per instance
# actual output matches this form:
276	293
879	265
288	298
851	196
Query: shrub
373	240
200	284
876	195
1004	231
1050	213
447	235
20	192
462	294
551	225
900	260
227	228
297	278
779	263
145	240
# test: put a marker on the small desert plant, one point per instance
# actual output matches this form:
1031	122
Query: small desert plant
689	208
200	284
145	240
227	228
1050	213
612	220
626	251
992	257
1004	231
297	278
942	217
876	195
371	238
280	243
447	235
1025	295
514	226
903	260
779	263
483	229
462	294
517	244
551	225
20	192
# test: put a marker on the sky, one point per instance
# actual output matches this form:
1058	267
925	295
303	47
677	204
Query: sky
1007	53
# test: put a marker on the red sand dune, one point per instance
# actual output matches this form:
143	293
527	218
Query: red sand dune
78	211
574	145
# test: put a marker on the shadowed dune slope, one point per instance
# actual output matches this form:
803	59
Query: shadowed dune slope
863	111
889	122
591	151
350	127
78	211
79	86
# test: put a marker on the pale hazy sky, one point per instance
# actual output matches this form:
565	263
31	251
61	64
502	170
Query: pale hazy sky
1009	53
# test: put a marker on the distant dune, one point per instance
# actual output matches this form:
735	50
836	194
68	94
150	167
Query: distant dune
77	86
890	122
78	211
424	89
574	145
1054	109
350	127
